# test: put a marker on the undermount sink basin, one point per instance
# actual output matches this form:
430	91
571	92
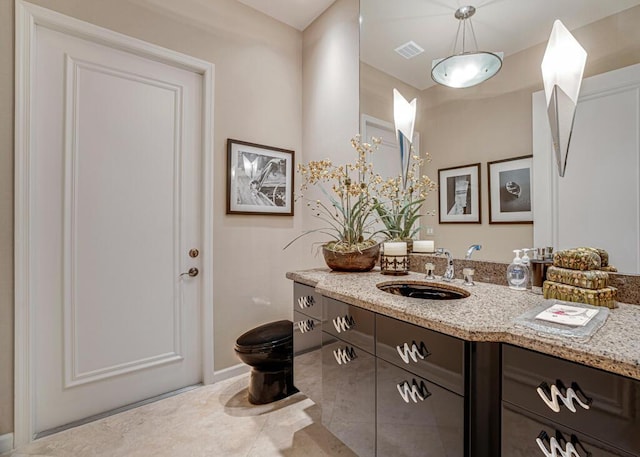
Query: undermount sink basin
422	290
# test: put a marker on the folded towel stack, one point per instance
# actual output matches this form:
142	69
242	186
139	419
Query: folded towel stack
577	276
587	279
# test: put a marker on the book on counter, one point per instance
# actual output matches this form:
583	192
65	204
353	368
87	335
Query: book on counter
574	316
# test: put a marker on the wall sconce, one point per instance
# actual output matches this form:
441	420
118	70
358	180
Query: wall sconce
562	70
404	118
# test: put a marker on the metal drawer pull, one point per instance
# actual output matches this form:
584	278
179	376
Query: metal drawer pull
306	326
556	443
342	324
344	356
413	392
414	351
568	396
306	302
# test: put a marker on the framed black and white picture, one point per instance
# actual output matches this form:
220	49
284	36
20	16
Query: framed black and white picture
259	179
459	194
510	191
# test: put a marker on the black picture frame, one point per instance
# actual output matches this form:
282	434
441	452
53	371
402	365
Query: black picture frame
510	183
259	179
459	199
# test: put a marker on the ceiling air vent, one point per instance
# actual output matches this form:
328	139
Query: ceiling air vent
409	50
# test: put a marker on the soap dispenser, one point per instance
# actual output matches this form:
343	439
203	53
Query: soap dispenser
517	273
526	261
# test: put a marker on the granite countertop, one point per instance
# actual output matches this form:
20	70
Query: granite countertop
487	315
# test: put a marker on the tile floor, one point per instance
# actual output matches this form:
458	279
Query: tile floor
211	421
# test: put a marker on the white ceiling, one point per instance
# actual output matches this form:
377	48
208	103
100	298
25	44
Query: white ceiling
296	13
500	25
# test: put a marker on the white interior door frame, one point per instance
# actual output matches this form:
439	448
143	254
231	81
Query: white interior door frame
28	17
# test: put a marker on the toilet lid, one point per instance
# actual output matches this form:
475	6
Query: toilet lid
270	334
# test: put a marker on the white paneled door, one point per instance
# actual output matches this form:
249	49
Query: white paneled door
115	205
597	202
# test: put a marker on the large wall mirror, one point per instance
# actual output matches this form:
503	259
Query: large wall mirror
495	120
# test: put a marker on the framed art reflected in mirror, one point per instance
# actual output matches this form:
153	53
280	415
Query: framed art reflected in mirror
459	195
510	182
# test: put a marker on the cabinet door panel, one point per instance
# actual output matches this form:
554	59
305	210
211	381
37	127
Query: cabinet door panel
307	360
348	394
415	417
349	323
525	434
432	355
307	301
605	406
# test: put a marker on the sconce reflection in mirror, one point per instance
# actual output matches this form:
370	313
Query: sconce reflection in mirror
404	118
562	70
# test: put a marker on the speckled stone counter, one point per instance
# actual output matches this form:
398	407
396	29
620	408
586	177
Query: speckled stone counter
487	315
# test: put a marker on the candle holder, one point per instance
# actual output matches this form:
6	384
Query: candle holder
429	269
394	264
468	276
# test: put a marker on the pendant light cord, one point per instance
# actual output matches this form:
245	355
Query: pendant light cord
463	24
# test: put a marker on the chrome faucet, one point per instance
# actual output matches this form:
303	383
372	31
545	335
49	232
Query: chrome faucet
448	275
473	247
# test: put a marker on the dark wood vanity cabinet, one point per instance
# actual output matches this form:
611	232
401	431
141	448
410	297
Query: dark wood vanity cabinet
553	403
416	417
349	376
432	355
525	434
455	407
391	388
420	388
307	341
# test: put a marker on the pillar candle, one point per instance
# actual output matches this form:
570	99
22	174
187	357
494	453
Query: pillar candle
395	248
423	246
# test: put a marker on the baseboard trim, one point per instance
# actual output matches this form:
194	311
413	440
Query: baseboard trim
6	442
230	372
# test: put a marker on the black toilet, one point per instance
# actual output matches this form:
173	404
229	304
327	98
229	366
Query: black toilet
268	349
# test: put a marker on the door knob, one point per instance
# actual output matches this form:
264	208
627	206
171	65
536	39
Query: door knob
193	272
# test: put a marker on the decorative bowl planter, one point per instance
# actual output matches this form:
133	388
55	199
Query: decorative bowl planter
363	260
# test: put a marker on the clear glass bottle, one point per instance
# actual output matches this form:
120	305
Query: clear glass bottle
526	261
517	273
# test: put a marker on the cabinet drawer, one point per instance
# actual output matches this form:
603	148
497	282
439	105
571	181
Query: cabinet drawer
432	355
306	333
528	435
307	360
307	301
416	418
594	402
349	323
348	394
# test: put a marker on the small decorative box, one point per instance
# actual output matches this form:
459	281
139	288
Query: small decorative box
575	259
588	279
604	255
601	297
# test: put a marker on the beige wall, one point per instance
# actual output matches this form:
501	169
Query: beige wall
258	98
492	121
376	94
331	93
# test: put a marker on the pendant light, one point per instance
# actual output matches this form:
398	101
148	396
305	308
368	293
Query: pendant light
466	68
